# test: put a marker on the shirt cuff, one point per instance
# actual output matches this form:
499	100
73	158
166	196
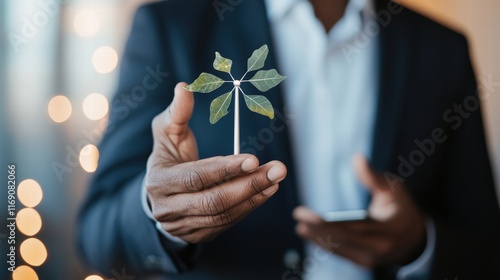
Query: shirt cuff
174	242
420	268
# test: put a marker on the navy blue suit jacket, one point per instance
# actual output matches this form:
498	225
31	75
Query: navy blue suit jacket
424	70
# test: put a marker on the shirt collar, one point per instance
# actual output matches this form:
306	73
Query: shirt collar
277	9
357	13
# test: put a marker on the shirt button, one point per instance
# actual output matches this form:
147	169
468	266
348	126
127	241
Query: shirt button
291	258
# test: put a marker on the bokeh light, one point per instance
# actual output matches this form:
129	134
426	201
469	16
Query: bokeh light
89	155
86	23
29	221
59	108
24	272
105	59
94	277
95	106
29	193
33	251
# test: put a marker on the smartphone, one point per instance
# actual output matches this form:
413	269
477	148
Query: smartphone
345	216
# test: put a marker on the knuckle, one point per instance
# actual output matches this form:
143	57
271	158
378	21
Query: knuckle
166	214
209	204
151	187
213	202
225	173
252	203
169	178
157	178
163	213
193	180
151	181
255	185
223	219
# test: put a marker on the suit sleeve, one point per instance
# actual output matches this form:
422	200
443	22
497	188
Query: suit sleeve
467	214
114	233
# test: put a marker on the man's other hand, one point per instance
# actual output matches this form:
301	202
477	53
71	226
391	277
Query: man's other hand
394	233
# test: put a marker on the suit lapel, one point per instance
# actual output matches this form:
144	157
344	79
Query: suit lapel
254	24
394	54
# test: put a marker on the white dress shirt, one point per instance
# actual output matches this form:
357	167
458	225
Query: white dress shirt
333	99
332	95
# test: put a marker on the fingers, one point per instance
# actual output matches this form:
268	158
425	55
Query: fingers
356	234
364	242
370	178
198	175
200	198
226	196
386	202
180	226
199	217
346	242
220	198
364	249
305	215
310	226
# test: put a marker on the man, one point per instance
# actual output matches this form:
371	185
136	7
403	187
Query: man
377	111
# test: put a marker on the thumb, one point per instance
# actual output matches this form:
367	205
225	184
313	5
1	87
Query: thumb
370	178
175	119
174	140
180	110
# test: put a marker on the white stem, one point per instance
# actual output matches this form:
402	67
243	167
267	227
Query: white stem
237	121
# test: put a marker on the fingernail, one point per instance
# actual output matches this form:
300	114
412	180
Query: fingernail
276	173
249	164
271	190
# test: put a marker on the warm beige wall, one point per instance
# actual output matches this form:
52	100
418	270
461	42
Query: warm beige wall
480	21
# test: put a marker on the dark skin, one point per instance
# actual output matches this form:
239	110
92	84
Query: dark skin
196	200
329	12
394	233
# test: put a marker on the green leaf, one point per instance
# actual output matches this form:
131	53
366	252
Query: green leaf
265	80
218	107
205	83
258	58
222	64
259	104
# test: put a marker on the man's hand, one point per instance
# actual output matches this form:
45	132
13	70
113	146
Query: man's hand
193	199
394	234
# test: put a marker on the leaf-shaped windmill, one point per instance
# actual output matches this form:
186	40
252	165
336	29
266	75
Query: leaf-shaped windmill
263	80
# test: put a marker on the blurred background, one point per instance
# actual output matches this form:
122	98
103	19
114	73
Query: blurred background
58	61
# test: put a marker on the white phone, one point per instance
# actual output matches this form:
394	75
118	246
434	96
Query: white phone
345	216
